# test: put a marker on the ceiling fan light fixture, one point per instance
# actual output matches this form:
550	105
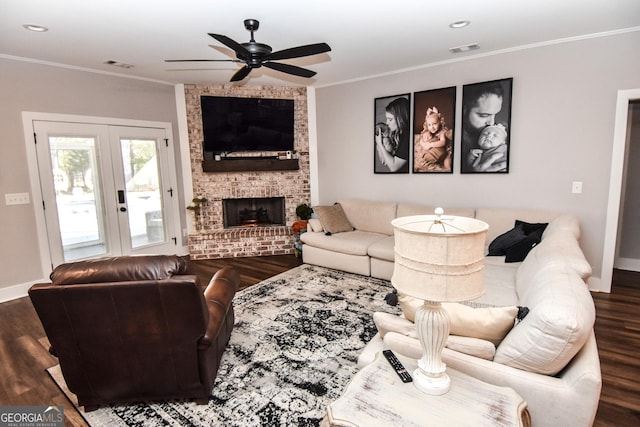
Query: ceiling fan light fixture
465	48
459	24
35	28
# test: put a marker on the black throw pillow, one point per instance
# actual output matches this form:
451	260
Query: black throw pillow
506	240
517	242
520	250
532	227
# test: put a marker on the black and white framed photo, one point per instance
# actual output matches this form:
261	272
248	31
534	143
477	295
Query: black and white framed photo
433	130
486	127
392	133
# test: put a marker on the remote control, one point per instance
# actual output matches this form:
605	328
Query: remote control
397	366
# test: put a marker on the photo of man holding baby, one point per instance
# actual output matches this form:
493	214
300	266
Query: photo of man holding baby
486	126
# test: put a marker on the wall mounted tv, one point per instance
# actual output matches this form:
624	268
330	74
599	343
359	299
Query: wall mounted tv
232	124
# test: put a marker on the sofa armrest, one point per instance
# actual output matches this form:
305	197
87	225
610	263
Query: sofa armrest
569	398
219	296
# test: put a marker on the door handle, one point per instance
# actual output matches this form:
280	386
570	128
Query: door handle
123	209
121	196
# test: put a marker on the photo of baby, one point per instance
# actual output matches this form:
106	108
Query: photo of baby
434	113
493	146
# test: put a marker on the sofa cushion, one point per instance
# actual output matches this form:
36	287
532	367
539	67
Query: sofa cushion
354	243
559	322
383	249
487	323
333	218
410	209
369	215
556	249
315	225
563	224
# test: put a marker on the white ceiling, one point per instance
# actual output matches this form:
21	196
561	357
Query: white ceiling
367	38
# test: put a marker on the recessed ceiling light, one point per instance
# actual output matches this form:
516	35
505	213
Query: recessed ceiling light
459	24
35	27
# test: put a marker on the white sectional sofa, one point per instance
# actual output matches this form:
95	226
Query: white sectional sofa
550	358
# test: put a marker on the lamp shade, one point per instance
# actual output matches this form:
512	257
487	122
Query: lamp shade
439	258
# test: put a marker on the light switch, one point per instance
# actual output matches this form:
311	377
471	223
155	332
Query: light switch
576	187
16	198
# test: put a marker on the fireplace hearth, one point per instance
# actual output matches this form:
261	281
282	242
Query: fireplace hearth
253	212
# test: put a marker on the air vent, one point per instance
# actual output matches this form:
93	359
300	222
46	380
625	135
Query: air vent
118	64
465	48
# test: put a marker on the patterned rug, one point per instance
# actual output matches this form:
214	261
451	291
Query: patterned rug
292	351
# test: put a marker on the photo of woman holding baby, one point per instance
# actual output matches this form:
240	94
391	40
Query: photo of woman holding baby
433	130
486	127
391	134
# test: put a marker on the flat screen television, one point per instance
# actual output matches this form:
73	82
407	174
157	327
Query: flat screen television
232	124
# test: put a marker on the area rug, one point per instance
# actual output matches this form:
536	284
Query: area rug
292	351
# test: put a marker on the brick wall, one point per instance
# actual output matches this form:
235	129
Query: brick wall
212	240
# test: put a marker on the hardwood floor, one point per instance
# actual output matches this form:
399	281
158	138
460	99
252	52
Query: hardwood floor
24	358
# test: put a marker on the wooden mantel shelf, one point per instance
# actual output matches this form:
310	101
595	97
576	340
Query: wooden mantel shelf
249	165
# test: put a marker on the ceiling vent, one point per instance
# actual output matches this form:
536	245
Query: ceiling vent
118	64
465	48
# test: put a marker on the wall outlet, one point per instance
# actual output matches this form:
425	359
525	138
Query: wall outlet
16	198
576	187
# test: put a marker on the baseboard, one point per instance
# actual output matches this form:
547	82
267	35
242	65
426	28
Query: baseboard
17	291
630	264
596	284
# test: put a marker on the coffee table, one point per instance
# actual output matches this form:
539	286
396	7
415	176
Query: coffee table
377	397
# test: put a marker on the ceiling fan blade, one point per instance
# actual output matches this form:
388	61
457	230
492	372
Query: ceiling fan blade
202	60
237	47
297	52
289	69
241	74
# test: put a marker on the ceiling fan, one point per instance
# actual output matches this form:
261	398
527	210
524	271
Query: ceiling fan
256	55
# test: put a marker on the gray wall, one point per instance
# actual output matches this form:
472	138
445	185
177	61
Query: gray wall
562	124
41	88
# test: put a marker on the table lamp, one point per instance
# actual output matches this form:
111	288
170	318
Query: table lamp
438	259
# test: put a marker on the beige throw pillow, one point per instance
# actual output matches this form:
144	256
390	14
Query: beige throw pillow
490	323
333	218
400	335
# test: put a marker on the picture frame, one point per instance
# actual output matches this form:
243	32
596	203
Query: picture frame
486	127
434	130
392	134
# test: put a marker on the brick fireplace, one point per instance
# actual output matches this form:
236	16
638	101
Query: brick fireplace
289	188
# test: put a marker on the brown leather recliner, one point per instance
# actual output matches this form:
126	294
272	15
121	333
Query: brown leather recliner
136	328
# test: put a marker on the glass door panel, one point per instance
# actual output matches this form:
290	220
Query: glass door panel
78	200
143	191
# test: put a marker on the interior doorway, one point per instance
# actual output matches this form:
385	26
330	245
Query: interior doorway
619	150
628	242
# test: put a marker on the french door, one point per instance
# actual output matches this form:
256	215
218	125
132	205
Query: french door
106	190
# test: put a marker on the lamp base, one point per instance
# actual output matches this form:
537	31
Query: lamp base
432	324
434	385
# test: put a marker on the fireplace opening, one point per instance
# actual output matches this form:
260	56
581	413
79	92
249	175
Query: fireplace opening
253	212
